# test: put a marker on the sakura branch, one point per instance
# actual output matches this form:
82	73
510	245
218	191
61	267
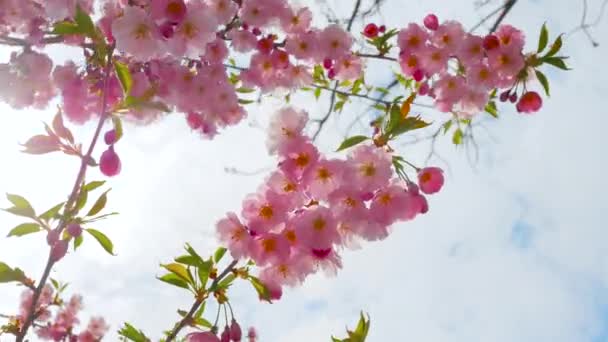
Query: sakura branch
145	59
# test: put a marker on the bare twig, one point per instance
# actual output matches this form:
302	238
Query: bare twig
586	26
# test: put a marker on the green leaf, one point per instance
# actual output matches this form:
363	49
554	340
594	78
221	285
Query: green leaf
94	185
66	28
174	280
85	23
187	260
130	332
201	322
352	141
543	81
317	93
226	282
447	126
8	274
24	229
491	109
21	204
124	76
180	271
52	213
244	90
78	241
99	204
408	124
103	240
81	201
557	62
395	118
543	39
117	127
457	137
200	311
260	288
245	102
339	106
219	253
555	47
203	272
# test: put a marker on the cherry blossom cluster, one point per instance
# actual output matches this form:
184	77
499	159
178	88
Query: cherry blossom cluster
231	333
61	325
460	70
312	206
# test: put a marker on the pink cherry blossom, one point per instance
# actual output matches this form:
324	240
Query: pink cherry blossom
234	236
294	21
136	34
172	10
285	125
372	167
334	42
412	39
449	35
222	10
202	337
193	32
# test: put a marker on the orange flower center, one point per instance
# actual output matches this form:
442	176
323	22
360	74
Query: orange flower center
425	177
189	30
323	174
142	31
368	169
266	212
302	160
318	224
269	245
174	8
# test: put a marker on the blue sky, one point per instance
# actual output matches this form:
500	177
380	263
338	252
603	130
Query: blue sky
514	248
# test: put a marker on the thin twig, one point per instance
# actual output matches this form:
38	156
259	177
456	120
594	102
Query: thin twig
71	200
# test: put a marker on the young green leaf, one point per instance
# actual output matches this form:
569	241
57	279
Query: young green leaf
99	204
24	229
173	279
103	240
457	137
491	109
352	141
180	271
117	127
78	241
66	28
93	185
124	76
555	47
543	81
544	38
8	274
557	62
219	253
85	23
131	333
21	203
260	288
52	213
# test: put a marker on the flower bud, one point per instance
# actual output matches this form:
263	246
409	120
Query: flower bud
110	137
109	163
431	22
371	30
235	331
74	229
529	102
59	250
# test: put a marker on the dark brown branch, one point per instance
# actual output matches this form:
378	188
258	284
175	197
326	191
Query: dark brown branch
507	8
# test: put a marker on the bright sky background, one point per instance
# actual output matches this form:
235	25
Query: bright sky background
514	248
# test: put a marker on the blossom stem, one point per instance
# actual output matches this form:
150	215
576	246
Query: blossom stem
197	303
369	55
71	200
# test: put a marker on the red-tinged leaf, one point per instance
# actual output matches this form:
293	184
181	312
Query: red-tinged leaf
41	144
60	128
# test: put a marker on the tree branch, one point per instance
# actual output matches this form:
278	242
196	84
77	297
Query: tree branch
71	200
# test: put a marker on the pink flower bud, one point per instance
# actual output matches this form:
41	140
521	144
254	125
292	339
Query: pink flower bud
110	137
109	163
491	42
225	337
331	73
235	331
424	89
513	98
207	336
371	30
74	229
328	63
194	120
430	180
529	102
52	237
256	31
504	96
252	335
418	75
59	250
431	22
382	28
